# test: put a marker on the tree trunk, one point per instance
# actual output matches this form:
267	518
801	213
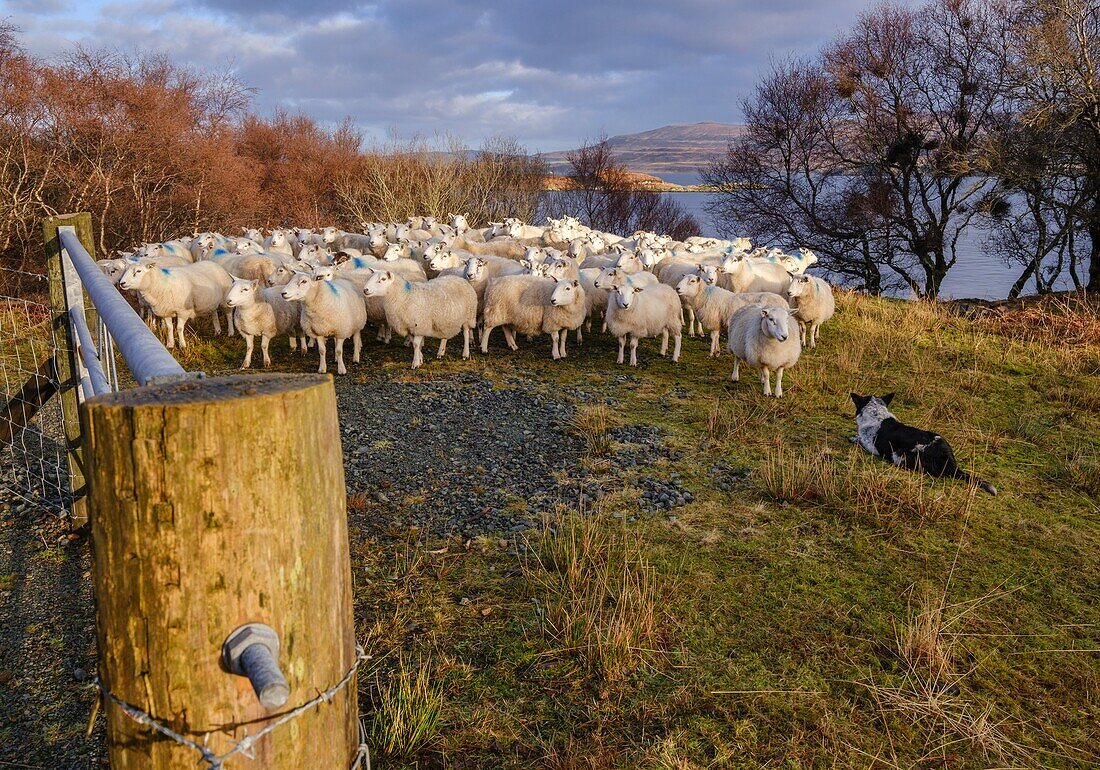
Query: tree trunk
215	504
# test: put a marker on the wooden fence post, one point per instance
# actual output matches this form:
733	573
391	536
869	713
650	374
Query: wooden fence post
216	503
66	352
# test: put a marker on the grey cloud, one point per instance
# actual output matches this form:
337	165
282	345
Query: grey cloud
548	73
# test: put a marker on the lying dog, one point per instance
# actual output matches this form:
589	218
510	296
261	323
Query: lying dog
881	434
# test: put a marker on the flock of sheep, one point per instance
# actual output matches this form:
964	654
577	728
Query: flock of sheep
427	279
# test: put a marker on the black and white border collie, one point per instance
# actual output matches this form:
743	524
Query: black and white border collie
883	435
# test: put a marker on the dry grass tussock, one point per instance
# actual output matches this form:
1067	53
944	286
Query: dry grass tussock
597	594
593	425
930	695
864	488
408	707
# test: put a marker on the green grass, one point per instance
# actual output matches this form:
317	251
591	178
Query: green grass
827	611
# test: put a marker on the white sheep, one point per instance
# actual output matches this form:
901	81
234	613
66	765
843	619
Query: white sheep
761	337
531	305
714	306
263	313
182	293
329	309
645	312
815	302
439	308
746	274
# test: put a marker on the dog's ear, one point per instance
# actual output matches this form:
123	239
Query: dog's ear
888	398
859	401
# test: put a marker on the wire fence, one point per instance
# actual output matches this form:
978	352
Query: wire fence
34	466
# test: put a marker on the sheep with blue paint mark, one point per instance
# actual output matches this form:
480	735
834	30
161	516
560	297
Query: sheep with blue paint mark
329	309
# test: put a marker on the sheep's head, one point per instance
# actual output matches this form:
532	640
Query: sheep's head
808	257
330	234
431	252
460	222
280	275
775	322
557	269
395	251
624	294
475	268
689	285
708	273
800	286
732	263
135	275
565	292
608	278
742	244
242	292
379	283
298	287
113	268
442	259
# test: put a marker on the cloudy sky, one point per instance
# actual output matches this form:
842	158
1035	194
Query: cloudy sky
550	72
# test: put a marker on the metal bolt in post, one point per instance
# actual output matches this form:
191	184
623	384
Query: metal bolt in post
252	650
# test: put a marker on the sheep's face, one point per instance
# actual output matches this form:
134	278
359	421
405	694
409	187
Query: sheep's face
379	283
401	232
742	244
708	274
378	240
298	287
242	292
249	247
556	269
774	323
135	275
252	234
442	259
280	276
624	295
732	264
565	293
475	268
395	251
430	253
689	285
113	268
629	263
460	222
800	287
330	234
608	278
326	273
807	257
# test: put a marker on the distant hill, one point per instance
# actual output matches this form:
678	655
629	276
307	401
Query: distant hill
677	149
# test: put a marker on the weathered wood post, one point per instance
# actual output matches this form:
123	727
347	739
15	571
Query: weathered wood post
65	356
216	503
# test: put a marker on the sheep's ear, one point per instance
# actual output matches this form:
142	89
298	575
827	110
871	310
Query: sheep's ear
576	284
763	312
888	398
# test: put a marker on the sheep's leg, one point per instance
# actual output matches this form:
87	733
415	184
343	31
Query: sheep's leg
293	343
442	349
418	356
356	347
321	349
169	323
715	348
510	336
564	339
676	347
603	329
633	350
467	333
554	345
485	332
779	382
230	321
622	346
580	335
265	341
813	334
247	363
664	342
766	378
181	328
217	323
339	347
736	376
303	343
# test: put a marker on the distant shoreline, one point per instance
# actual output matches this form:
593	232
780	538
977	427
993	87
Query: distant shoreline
637	182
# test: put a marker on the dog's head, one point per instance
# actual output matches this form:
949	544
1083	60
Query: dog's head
862	402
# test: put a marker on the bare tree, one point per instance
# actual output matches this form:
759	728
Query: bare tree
880	144
602	195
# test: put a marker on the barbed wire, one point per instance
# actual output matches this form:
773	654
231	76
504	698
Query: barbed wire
245	746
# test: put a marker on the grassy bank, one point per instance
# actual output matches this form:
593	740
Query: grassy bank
810	607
